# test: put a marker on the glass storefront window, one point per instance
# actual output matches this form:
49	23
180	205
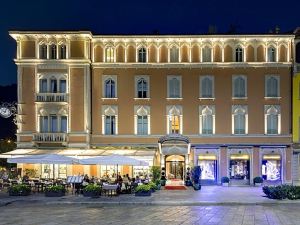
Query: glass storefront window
239	169
208	169
271	169
60	171
110	170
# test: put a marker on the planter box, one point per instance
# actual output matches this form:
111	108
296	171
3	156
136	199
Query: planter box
19	193
54	194
225	184
91	194
143	193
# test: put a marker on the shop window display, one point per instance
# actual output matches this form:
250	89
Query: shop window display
208	169
271	170
239	169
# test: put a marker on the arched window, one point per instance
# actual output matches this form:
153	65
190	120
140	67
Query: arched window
142	119
207	87
174	54
174	119
53	51
272	116
271	54
207	119
239	54
142	55
239	119
43	51
239	87
109	54
63	51
272	86
142	88
206	54
110	88
109	119
174	87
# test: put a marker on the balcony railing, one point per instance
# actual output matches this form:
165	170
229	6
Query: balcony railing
50	137
51	97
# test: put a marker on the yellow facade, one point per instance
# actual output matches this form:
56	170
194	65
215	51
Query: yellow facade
296	108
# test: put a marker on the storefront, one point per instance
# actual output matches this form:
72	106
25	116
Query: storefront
271	168
209	168
175	166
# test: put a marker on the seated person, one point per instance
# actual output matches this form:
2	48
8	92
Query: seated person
125	179
25	178
137	179
86	178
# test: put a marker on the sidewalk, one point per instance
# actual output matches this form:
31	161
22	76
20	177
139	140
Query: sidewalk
209	195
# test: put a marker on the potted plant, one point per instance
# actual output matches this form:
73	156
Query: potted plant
188	181
257	181
225	181
156	173
92	190
19	190
143	190
153	186
55	191
196	174
163	177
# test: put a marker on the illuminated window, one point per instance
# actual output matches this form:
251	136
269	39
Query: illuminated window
272	86
62	51
53	53
206	54
174	87
239	85
239	119
43	51
272	119
142	55
206	87
239	54
174	119
207	119
109	55
271	54
174	54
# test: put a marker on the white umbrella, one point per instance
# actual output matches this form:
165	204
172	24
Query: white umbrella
44	159
113	160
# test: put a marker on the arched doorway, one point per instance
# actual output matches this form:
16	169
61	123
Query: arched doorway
175	166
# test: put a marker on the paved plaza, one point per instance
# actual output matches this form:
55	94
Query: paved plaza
211	205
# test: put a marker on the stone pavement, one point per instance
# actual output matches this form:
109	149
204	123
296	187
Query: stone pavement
209	195
25	214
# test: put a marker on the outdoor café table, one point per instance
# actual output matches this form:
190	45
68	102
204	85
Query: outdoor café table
110	188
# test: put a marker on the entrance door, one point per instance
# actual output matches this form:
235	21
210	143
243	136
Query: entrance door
175	167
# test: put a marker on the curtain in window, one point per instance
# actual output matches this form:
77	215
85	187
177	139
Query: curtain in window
63	124
43	51
272	124
142	88
53	86
174	124
272	87
53	124
174	88
239	87
239	123
206	54
109	125
174	54
207	124
44	124
206	88
63	86
43	85
142	125
110	88
63	50
53	52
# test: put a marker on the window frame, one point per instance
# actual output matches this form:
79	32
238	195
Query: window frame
174	55
104	79
235	109
112	57
174	110
267	113
109	110
270	48
202	108
207	54
212	79
169	78
239	54
142	54
277	77
234	78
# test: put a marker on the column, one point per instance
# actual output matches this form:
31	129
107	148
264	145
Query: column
223	168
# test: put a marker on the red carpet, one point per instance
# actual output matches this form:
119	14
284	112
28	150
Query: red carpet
175	187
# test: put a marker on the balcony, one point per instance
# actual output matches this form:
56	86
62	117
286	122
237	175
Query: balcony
51	97
50	137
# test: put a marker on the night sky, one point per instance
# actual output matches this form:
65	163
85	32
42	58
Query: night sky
139	17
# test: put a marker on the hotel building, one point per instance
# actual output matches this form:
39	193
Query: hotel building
219	101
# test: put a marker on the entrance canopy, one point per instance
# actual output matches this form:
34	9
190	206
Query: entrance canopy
174	144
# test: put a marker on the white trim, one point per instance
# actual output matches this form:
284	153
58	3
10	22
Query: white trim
115	79
136	79
213	114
